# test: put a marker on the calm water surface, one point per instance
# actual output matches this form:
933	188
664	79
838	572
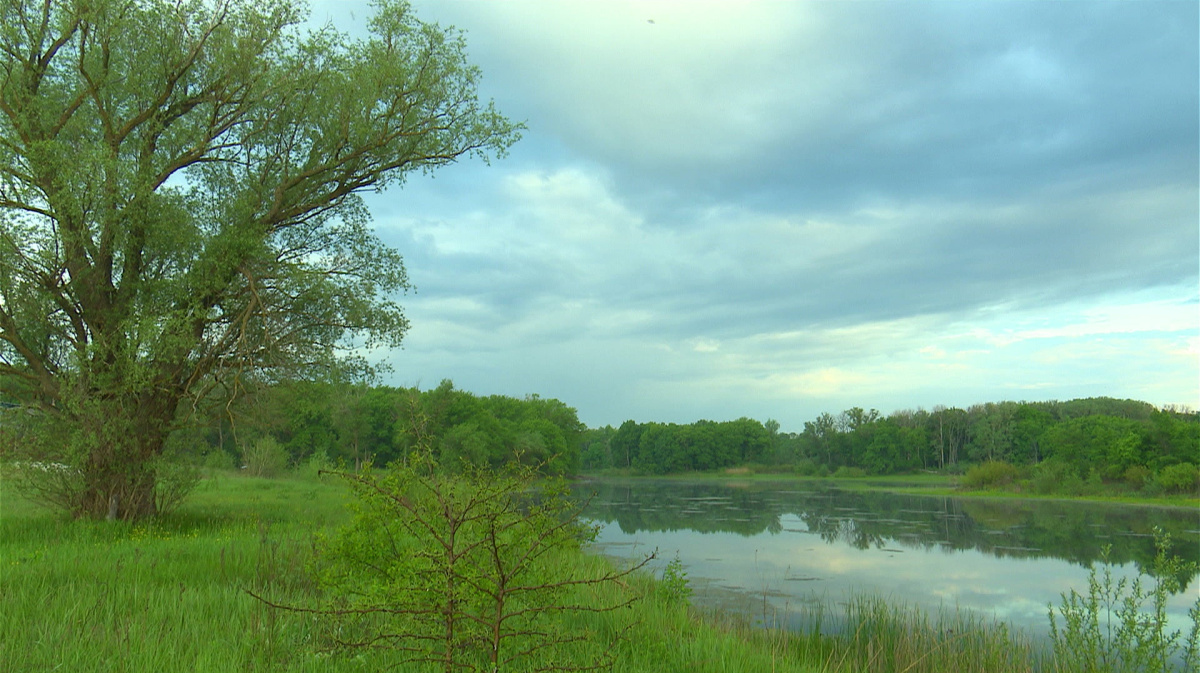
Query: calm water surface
770	549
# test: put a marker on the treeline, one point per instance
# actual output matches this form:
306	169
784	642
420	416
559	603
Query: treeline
335	423
662	448
1092	440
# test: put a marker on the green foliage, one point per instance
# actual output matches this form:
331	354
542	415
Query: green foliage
352	425
180	213
663	448
674	581
849	473
1056	476
806	467
1181	478
462	570
597	448
465	432
1106	442
167	596
991	474
880	636
1082	447
317	463
1137	476
218	459
1113	628
265	457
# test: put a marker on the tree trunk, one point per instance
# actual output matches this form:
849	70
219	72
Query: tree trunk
120	486
118	479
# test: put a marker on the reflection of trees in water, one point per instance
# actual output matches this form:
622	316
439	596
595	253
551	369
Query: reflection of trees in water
643	506
1071	531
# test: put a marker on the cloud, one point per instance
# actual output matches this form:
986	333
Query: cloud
778	209
824	104
752	307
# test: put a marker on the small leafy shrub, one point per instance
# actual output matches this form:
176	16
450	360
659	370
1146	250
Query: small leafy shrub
992	474
464	571
1181	478
1113	629
178	474
674	582
823	471
844	472
805	467
265	457
769	468
218	459
1136	476
1053	476
1152	489
317	463
954	469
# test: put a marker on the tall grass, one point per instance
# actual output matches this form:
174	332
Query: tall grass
164	596
876	635
170	596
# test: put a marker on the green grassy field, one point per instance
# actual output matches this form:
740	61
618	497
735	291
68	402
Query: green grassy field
170	595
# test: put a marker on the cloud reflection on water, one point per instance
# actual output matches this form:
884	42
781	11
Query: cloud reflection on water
1003	560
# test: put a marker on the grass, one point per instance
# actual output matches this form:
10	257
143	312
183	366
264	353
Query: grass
97	596
170	596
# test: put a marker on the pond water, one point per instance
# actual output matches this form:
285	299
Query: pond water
770	549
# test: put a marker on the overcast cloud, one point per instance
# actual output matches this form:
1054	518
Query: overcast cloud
778	209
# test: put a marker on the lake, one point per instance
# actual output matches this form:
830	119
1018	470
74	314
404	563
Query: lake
770	549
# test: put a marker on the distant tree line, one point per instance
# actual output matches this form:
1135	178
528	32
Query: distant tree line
349	425
662	448
1101	440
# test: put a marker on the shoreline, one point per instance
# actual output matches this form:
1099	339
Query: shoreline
936	486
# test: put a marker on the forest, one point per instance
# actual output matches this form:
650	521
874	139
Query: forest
1072	446
1076	447
294	423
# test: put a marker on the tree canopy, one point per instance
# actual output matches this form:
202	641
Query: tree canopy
1070	447
179	210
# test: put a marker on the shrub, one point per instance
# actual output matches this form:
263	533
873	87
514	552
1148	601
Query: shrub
844	472
1136	476
1181	478
265	457
1054	476
674	583
992	474
805	467
954	468
318	462
218	459
1108	630
465	571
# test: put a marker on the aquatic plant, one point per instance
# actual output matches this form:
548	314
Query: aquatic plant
1122	625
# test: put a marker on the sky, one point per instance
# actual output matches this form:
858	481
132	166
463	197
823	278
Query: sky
779	209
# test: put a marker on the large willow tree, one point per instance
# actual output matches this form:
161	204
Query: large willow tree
179	210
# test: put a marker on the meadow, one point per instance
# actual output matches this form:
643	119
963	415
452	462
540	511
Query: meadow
172	595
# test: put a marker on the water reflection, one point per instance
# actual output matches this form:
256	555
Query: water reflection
785	543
